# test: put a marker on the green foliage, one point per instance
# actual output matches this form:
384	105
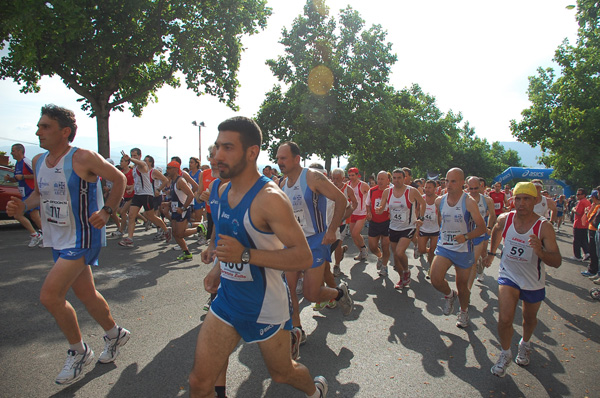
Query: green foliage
327	117
565	110
114	53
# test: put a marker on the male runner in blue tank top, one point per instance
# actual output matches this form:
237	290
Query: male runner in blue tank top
458	212
256	239
74	215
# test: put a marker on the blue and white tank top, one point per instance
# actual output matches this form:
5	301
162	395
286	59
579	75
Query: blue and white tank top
519	263
456	220
257	294
310	208
66	204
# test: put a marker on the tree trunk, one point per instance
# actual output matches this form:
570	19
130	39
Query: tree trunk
102	115
328	165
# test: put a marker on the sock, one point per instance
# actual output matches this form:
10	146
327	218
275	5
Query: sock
78	347
450	295
220	391
340	294
113	333
527	343
317	394
507	352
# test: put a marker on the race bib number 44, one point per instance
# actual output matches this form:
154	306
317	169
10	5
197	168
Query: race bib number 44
237	272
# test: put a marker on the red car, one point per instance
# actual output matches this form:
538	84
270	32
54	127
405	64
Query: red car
7	189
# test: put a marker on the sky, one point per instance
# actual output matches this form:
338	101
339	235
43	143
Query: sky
474	56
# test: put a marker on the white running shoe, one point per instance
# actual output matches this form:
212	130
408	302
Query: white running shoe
296	334
73	369
379	263
322	387
383	271
35	239
345	302
168	235
299	286
111	346
523	354
449	303
336	270
499	369
362	255
462	321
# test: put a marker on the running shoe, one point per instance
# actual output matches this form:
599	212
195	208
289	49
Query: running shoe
202	240
383	271
35	239
111	346
160	235
168	235
523	354
597	282
185	257
416	253
462	321
208	304
406	279
586	257
337	270
362	255
147	225
595	293
331	304
379	263
587	273
73	369
594	277
299	286
319	306
321	385
398	285
428	276
499	369
345	302
296	337
116	234
126	242
449	303
303	337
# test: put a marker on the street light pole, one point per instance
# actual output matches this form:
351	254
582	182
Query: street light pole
167	153
200	125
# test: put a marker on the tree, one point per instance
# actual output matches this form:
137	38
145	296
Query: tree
114	52
335	74
565	111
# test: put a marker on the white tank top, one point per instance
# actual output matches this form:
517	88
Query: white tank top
430	219
361	209
402	211
456	220
541	209
142	185
519	263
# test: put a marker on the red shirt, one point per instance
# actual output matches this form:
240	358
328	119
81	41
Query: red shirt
129	177
579	211
374	199
206	179
498	198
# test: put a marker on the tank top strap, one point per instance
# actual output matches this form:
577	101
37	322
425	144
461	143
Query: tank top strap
508	223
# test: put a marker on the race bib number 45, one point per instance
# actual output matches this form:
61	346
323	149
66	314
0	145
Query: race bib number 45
237	272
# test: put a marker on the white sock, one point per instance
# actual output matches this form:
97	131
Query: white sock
113	333
527	343
77	347
507	352
317	394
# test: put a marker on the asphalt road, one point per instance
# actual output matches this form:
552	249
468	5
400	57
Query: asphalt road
395	343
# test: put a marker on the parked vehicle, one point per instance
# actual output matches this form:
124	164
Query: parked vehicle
7	189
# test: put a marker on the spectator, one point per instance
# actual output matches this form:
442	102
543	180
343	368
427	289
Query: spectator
580	227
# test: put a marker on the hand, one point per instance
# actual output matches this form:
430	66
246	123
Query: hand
98	219
329	237
18	177
419	223
460	238
212	280
208	255
379	210
536	245
125	156
15	206
229	249
487	261
204	196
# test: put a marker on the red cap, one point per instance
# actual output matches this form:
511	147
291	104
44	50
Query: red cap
354	170
174	164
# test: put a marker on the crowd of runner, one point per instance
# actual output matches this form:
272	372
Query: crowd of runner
272	238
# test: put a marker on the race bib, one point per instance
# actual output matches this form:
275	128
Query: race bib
448	238
237	272
174	206
56	212
497	206
299	214
399	215
518	250
22	191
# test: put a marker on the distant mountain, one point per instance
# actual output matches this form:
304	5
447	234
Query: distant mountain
527	153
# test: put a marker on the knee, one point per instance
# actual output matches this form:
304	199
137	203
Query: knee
311	293
504	321
50	300
199	386
281	375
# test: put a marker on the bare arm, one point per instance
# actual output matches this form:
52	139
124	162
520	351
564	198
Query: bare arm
416	197
553	209
271	211
491	212
495	239
181	184
546	248
480	229
186	176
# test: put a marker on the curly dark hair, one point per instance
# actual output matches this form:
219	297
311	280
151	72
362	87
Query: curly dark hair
65	118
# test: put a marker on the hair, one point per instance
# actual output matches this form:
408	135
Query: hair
19	147
407	171
136	150
128	161
338	171
65	118
176	158
249	131
211	148
151	159
294	148
399	171
582	190
267	167
431	182
196	160
481	179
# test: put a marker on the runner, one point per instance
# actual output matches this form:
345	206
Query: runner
499	198
195	173
379	223
430	230
23	176
181	199
401	200
458	211
337	177
252	300
544	207
308	190
143	196
207	177
561	205
69	192
123	209
529	242
359	216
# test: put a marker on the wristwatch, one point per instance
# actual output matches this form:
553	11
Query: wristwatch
421	218
246	256
108	210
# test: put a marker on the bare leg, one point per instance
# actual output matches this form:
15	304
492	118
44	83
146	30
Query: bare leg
508	297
